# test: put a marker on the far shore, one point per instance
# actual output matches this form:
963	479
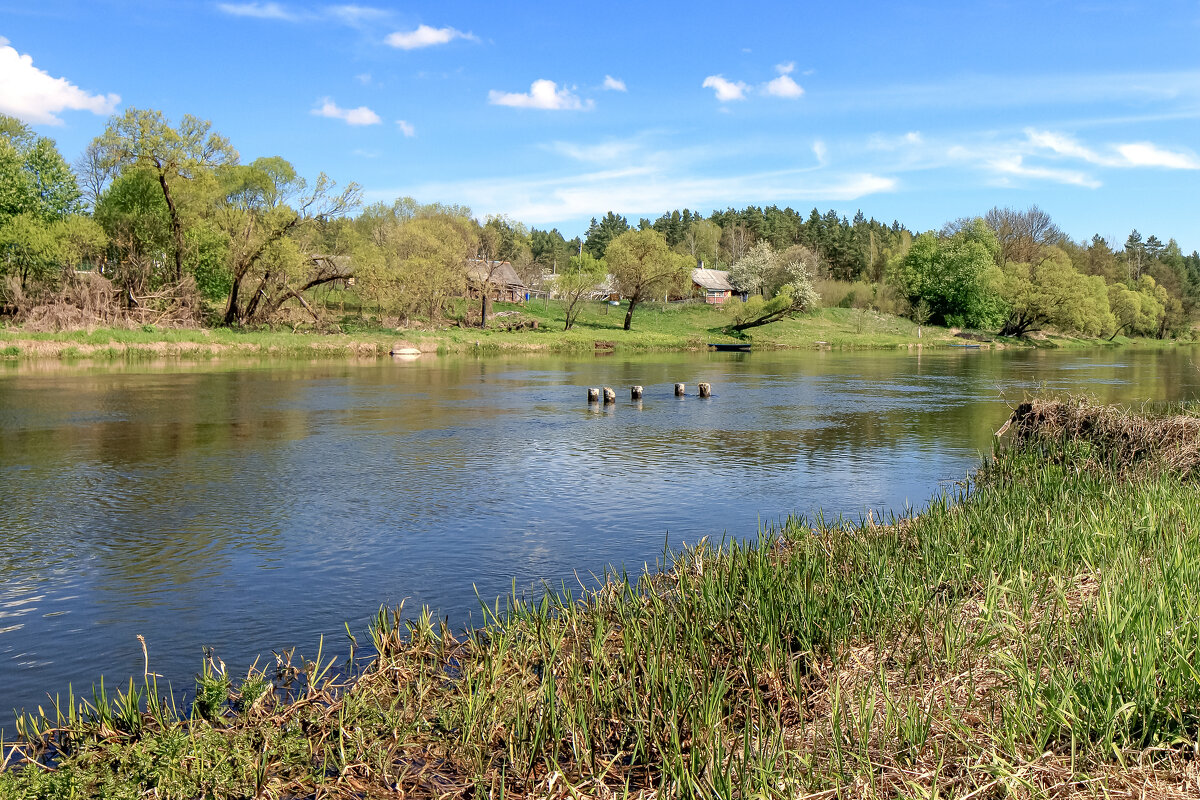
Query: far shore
656	328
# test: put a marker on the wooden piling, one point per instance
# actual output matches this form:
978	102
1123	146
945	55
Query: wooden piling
635	393
679	390
705	390
609	395
593	395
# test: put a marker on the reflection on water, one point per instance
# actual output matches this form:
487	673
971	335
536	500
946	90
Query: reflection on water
255	508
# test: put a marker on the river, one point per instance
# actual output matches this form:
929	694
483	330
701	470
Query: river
254	507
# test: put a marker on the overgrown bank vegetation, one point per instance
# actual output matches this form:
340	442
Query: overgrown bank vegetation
161	223
1034	633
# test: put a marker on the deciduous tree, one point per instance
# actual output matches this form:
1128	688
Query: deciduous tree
644	267
145	138
576	282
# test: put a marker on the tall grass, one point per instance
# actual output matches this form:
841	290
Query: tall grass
1034	632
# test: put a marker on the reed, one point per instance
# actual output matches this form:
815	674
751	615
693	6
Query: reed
1035	632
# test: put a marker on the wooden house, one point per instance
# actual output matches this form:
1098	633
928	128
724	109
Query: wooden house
499	277
714	283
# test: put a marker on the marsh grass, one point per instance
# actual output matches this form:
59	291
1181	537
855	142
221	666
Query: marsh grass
1034	632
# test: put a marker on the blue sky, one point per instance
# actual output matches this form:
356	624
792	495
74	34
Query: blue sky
556	112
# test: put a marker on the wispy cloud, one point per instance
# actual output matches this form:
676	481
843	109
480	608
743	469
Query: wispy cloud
608	152
406	128
645	174
351	116
34	96
726	90
821	152
614	84
260	11
1146	154
351	15
543	94
426	36
357	15
1131	154
642	190
1015	165
784	85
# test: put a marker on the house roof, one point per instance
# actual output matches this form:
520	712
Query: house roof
717	279
502	272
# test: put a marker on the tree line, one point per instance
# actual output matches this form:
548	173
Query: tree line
167	210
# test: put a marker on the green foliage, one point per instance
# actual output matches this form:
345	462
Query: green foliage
34	178
31	249
1138	310
581	277
208	261
790	300
956	276
414	265
1051	292
600	234
643	267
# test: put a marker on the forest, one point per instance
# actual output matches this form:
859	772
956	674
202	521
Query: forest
161	223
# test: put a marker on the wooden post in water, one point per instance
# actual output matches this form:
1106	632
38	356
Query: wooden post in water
705	390
609	395
635	393
679	390
593	395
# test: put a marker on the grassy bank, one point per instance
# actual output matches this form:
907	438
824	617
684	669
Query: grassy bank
662	327
1033	634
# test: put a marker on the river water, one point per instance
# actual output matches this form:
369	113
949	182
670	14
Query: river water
252	508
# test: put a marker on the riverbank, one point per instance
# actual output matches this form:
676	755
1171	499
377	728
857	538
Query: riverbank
656	327
1033	634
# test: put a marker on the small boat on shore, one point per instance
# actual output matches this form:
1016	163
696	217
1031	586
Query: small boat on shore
730	347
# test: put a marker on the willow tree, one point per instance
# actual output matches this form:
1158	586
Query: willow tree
260	210
173	154
643	267
1051	292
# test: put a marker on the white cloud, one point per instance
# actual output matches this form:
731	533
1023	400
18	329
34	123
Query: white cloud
425	36
615	84
641	189
1146	154
351	116
363	78
1015	165
820	151
543	94
356	15
406	128
1133	154
33	96
1064	146
726	90
605	152
784	86
259	11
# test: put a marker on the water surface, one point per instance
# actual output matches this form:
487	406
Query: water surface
256	507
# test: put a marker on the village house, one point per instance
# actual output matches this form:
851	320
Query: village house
502	280
714	283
